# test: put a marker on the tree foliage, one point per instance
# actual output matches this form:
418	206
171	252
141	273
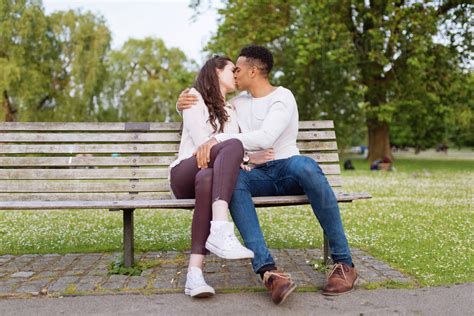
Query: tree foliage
391	65
60	67
390	71
52	66
27	47
145	79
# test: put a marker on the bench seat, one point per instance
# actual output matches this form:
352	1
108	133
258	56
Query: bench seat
123	167
264	201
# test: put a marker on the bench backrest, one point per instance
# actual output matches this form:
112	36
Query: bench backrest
113	161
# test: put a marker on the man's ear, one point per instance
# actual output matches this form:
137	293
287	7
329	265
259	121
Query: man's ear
253	72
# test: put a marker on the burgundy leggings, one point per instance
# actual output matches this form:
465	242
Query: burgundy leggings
217	182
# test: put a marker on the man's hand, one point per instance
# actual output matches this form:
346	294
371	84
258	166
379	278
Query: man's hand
261	156
186	100
203	153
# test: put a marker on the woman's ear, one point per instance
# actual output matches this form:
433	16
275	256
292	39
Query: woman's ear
218	73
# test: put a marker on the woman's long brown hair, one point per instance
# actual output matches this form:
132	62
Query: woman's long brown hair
207	83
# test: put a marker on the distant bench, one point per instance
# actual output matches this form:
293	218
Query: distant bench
122	167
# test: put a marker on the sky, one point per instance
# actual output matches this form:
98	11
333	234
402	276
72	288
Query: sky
168	20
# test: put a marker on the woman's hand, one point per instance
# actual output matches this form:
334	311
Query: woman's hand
203	153
245	167
261	156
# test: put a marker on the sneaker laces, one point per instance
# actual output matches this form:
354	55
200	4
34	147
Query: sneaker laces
234	241
338	269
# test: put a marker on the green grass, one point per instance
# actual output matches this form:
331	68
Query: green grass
420	221
118	267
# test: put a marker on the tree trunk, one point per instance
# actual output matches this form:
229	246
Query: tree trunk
10	113
379	141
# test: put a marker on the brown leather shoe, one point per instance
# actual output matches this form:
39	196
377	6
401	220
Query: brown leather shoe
279	284
341	280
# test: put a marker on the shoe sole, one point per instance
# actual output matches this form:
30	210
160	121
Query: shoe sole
215	250
349	291
287	293
200	292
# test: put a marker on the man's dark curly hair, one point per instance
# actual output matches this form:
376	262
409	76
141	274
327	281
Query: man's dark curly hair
258	56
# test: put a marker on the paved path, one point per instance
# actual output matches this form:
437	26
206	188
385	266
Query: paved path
56	275
457	300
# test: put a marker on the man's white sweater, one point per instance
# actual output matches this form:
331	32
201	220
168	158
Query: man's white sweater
267	122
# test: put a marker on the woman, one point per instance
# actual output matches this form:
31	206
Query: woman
212	187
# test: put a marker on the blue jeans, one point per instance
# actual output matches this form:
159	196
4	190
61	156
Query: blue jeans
296	175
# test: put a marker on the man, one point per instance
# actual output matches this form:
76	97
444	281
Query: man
268	118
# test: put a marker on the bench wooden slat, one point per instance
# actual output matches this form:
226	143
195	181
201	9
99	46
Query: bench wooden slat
326	124
78	174
304	147
90	161
334	180
23	186
268	201
105	126
316	135
96	148
320	157
332	169
105	173
37	186
119	196
117	161
161	204
102	126
134	137
316	146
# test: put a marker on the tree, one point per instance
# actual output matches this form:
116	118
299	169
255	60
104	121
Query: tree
348	58
82	44
391	39
434	111
145	79
60	68
52	67
26	50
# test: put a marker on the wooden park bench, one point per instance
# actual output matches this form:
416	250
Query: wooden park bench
121	166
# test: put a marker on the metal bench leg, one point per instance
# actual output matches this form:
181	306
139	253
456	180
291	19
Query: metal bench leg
327	252
128	248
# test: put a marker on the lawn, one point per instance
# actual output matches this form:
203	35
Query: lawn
420	221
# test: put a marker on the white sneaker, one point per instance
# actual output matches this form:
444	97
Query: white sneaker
196	286
223	242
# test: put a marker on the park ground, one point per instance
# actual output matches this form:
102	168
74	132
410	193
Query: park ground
415	233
